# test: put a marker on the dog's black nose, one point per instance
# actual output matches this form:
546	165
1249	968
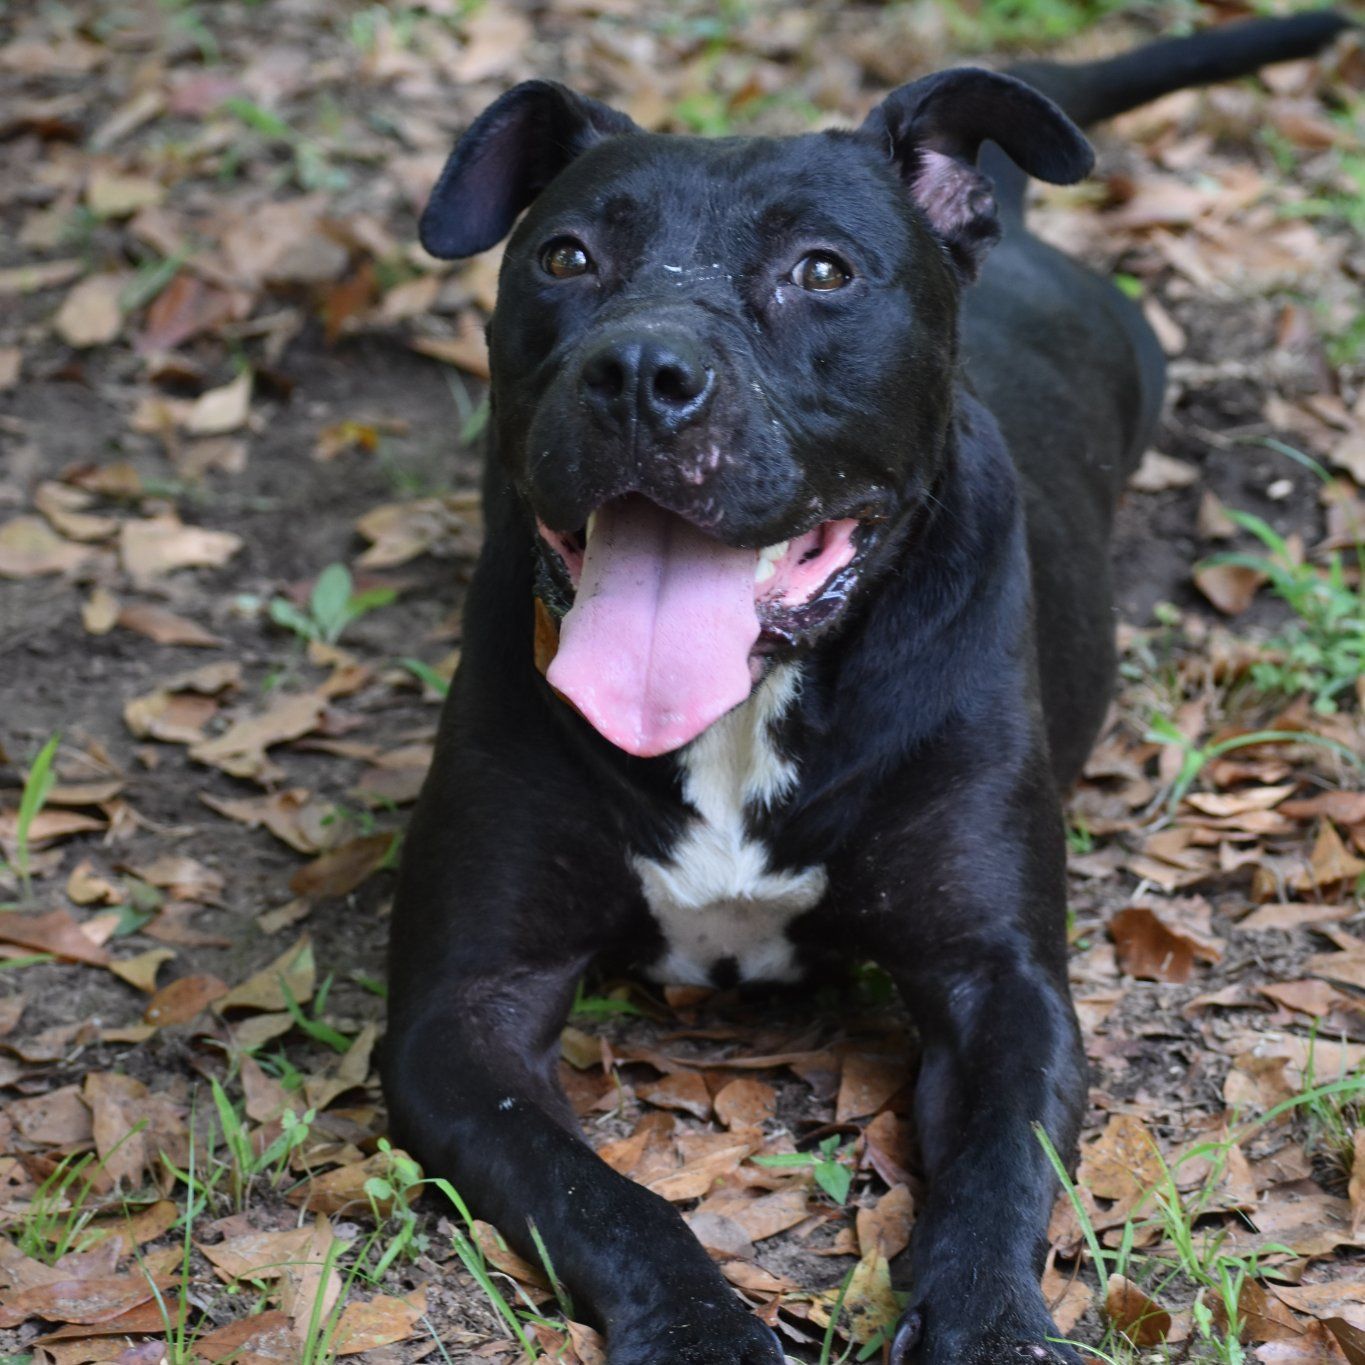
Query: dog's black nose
660	381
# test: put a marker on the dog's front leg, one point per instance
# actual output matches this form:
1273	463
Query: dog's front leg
980	960
470	1080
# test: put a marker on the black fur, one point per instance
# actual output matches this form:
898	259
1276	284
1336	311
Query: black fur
984	434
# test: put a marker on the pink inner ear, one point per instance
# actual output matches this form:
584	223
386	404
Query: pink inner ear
956	198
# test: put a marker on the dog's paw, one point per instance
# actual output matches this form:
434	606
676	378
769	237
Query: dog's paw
722	1339
923	1338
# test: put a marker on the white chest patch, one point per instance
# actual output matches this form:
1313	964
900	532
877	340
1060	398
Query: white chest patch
716	897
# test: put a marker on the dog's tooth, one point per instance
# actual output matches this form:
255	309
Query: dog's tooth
772	553
763	570
592	521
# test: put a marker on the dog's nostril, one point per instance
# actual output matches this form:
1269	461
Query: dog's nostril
675	384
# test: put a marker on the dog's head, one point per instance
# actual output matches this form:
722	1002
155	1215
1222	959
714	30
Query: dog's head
722	368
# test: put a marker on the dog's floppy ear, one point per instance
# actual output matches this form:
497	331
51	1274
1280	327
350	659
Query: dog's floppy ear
933	129
508	155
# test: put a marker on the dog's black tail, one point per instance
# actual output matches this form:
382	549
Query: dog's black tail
1090	92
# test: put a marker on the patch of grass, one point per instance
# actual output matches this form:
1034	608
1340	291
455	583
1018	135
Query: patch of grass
1333	1115
241	1164
333	605
312	167
827	1163
313	1024
427	676
1322	651
38	784
1021	23
1195	757
58	1216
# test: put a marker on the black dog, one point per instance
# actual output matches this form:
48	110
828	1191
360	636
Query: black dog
819	532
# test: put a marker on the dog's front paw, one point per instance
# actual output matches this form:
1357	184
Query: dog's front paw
717	1338
929	1337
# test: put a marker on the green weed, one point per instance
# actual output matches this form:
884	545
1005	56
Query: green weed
1322	652
58	1216
38	786
333	605
241	1163
1016	23
827	1163
1194	757
427	676
312	168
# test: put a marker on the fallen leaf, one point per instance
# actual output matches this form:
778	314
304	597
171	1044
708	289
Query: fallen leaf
380	1322
183	999
684	1090
109	194
54	932
241	749
1158	472
140	971
886	1227
219	411
745	1103
165	627
866	1083
155	546
294	970
1140	1318
1230	587
1154	943
1122	1163
90	314
30	548
341	870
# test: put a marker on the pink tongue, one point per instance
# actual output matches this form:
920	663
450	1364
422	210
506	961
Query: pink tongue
657	643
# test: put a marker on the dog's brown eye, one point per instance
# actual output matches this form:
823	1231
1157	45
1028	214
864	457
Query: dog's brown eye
564	258
821	272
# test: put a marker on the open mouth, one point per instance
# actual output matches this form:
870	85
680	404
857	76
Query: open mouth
668	626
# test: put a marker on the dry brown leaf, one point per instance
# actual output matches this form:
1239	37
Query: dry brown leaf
1122	1163
294	970
92	1300
54	932
684	1090
30	279
759	1216
1230	587
1158	472
745	1103
153	546
1286	915
99	612
1330	863
217	412
295	817
65	508
90	314
172	717
380	1322
467	350
241	749
140	971
165	627
30	548
257	1255
1140	1318
109	194
886	1227
867	1082
260	1340
1162	943
340	870
184	999
870	1305
400	531
1314	998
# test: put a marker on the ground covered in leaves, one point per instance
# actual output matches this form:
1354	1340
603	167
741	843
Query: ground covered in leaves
239	417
